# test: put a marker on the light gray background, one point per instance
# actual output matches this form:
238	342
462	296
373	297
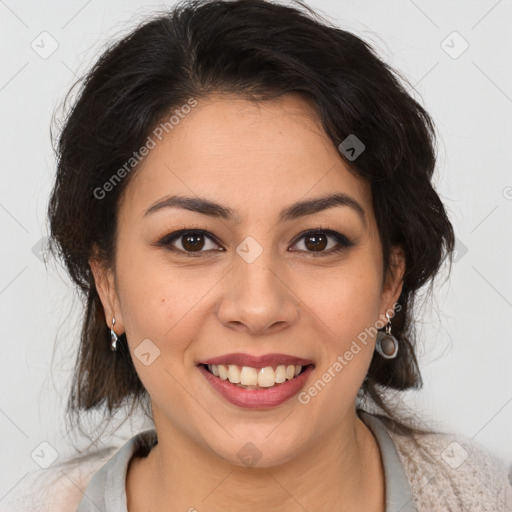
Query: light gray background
466	347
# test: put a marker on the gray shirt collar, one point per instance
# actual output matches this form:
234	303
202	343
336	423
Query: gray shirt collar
398	492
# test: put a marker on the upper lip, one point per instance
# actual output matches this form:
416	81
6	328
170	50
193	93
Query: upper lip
262	361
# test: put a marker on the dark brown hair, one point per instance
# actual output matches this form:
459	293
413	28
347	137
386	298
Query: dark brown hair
259	50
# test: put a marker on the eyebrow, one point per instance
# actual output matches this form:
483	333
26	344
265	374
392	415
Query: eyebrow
292	212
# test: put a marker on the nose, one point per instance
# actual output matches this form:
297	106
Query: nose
257	299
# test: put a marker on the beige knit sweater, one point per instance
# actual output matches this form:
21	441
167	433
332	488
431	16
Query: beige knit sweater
451	473
445	472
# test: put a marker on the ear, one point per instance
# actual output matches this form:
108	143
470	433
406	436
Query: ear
393	282
105	285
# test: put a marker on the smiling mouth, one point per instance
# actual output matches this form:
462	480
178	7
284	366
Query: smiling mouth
247	377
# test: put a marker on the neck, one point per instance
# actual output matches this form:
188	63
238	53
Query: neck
344	471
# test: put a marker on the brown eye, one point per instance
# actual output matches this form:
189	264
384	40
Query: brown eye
318	241
192	242
189	242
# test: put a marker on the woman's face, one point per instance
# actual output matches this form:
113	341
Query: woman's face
252	283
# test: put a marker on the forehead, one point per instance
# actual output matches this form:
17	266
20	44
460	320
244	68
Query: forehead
247	156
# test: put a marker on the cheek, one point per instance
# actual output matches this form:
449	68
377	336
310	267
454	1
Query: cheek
344	322
358	307
346	304
345	299
161	302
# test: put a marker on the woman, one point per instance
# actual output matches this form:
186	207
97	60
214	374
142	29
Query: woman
244	197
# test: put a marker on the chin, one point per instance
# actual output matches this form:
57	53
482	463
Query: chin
258	447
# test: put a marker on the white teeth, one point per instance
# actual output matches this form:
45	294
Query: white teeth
223	371
281	374
266	377
248	376
233	374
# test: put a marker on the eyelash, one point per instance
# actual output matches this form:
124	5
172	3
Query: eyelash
342	241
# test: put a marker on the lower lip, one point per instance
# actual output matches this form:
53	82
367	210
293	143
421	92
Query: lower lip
257	398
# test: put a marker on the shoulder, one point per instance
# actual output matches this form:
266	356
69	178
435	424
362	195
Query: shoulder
453	472
58	488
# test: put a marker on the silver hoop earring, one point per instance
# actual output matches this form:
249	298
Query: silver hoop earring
113	337
387	344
